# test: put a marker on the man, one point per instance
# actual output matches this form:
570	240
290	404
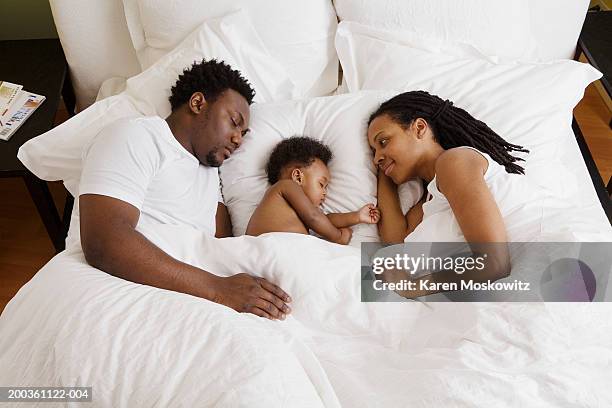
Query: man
147	170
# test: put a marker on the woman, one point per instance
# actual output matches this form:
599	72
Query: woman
473	180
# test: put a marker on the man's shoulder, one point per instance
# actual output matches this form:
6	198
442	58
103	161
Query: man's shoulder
134	126
130	138
137	132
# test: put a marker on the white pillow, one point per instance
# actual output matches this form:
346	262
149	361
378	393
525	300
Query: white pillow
495	27
556	25
56	154
529	104
232	39
337	121
340	123
299	34
96	42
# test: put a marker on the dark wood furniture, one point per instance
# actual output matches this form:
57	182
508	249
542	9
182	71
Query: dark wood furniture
595	43
40	66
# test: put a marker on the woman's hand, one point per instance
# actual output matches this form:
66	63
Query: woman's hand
369	214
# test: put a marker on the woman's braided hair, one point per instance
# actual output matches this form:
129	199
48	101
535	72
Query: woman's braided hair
451	126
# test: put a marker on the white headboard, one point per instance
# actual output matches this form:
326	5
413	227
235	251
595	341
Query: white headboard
96	42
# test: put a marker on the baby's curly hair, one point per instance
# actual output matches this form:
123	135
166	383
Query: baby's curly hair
211	78
297	150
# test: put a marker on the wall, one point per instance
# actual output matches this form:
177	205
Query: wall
26	19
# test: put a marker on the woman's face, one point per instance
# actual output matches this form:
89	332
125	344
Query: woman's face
397	151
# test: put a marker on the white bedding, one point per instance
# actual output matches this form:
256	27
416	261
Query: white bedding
140	346
299	34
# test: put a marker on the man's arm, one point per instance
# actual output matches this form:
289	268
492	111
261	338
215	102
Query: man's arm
111	243
312	216
224	222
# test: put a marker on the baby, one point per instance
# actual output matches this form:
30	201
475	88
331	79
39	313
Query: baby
297	170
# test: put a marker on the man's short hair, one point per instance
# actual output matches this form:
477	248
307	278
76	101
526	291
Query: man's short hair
212	78
298	151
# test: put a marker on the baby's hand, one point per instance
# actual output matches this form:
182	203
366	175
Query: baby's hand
369	214
345	236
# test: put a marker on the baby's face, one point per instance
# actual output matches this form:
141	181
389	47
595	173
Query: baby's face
316	179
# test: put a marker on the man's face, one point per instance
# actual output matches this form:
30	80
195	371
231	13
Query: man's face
223	124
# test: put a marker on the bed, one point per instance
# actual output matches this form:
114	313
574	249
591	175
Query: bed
74	325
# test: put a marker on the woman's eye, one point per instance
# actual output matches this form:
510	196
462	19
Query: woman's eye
383	142
234	122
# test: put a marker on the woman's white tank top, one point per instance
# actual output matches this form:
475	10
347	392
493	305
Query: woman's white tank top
517	198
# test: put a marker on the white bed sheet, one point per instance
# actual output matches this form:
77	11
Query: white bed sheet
141	346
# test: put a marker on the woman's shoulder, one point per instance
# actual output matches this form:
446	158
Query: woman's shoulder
460	160
458	169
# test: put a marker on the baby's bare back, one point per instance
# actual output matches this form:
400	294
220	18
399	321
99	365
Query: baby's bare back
274	214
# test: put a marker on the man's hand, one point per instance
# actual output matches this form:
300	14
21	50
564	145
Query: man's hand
111	243
249	294
369	214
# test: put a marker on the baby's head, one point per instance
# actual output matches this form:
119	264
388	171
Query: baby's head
303	160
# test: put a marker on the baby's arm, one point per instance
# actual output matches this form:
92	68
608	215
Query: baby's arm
311	216
368	214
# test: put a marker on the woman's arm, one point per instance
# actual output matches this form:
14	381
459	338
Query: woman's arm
460	177
392	226
414	216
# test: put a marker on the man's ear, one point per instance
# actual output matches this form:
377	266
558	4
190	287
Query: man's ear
298	176
197	102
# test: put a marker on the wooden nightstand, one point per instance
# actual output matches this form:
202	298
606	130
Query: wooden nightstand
40	66
595	43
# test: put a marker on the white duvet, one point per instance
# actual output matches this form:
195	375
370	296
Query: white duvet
73	325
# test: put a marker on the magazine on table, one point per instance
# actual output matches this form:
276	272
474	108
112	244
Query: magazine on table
24	104
20	99
9	92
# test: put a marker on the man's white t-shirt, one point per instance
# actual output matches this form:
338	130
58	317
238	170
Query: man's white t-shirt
140	162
